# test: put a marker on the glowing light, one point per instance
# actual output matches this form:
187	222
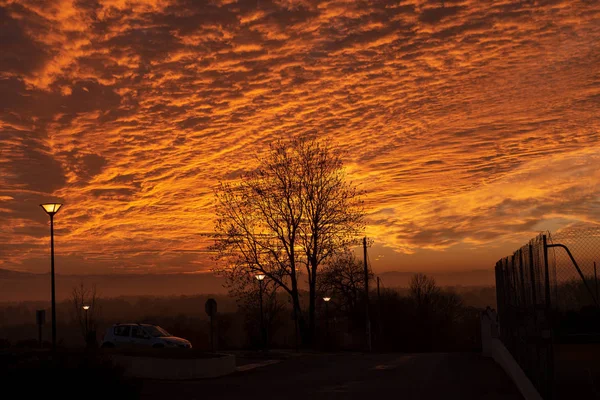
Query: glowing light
51	208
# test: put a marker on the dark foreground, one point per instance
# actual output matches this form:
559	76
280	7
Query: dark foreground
352	376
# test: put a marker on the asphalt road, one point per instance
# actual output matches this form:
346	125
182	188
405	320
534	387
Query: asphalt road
352	376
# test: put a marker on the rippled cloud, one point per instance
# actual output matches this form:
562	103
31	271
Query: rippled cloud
470	123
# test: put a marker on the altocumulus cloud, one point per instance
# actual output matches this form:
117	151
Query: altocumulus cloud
467	121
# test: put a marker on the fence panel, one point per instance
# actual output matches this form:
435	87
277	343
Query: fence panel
523	312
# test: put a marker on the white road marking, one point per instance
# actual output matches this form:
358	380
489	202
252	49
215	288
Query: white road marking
248	367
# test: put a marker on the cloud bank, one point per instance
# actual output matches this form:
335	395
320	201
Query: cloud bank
469	122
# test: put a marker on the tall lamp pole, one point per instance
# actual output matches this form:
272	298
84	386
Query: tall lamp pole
326	300
260	278
86	308
51	209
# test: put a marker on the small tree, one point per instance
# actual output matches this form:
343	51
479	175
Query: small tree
343	278
246	290
86	319
423	289
293	212
436	310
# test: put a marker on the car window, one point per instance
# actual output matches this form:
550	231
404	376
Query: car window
121	330
157	331
138	332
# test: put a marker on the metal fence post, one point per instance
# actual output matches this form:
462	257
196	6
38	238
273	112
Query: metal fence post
514	279
521	272
546	273
532	273
548	327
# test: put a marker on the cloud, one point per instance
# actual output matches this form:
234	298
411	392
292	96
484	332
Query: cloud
469	124
21	53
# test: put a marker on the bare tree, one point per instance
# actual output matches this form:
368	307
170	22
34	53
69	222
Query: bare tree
343	278
423	289
436	310
245	288
292	213
85	311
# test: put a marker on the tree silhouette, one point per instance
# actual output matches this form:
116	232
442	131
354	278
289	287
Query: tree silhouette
343	278
293	212
423	289
436	310
245	289
86	319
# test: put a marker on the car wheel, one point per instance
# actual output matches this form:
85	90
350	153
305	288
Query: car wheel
107	345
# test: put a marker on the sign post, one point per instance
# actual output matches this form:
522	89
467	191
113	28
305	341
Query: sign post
211	310
40	317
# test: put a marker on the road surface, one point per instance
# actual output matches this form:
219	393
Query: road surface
352	376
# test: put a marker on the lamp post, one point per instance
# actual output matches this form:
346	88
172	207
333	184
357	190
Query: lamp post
51	209
326	300
86	308
260	278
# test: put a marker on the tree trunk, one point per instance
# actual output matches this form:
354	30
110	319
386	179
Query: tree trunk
313	300
302	325
311	313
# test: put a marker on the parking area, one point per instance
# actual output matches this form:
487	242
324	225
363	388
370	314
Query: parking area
350	376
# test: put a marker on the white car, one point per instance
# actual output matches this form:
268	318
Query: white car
141	335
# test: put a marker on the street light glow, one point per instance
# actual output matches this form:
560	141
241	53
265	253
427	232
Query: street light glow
86	308
51	208
326	299
260	277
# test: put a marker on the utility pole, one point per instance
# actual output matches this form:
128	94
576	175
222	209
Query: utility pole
367	317
379	320
596	281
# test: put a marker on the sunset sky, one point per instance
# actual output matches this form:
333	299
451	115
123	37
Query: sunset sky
471	124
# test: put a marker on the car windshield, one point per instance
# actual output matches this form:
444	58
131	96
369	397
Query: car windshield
156	331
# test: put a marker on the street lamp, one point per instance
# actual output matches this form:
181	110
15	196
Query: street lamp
51	209
326	300
260	278
86	308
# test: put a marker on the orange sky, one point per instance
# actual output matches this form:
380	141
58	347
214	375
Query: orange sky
471	126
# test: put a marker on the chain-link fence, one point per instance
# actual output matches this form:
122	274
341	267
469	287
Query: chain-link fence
573	255
547	293
524	301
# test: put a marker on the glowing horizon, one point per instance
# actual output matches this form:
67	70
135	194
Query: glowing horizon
471	126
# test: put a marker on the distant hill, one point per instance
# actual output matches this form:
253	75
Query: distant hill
481	277
7	273
23	286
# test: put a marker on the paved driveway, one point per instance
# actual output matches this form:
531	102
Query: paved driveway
352	376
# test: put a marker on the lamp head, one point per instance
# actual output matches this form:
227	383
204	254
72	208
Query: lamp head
86	308
326	299
51	208
260	277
